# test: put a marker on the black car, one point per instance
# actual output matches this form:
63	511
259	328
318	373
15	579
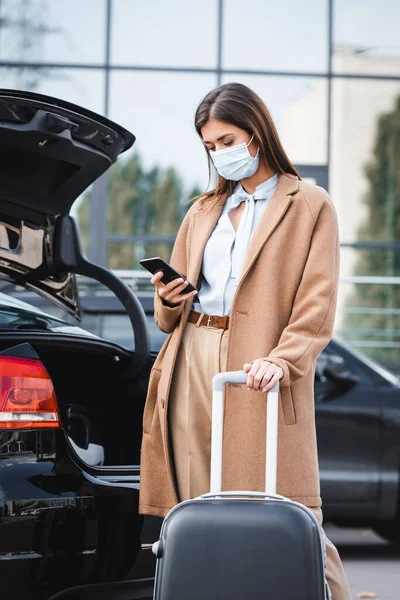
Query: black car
72	395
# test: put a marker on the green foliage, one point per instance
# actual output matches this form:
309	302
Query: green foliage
141	202
382	223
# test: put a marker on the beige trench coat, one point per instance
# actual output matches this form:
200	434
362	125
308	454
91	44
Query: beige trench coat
284	311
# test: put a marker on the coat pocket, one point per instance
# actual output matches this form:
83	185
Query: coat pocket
151	400
287	403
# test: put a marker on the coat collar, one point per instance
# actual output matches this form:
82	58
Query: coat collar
206	218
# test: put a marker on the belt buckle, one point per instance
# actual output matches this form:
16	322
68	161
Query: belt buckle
208	324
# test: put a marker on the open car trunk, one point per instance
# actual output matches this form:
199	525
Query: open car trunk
51	152
101	404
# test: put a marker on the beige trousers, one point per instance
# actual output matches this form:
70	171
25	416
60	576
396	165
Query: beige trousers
201	355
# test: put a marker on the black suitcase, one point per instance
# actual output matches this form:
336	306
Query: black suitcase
240	545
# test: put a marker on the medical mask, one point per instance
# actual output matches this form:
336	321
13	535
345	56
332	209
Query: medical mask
236	163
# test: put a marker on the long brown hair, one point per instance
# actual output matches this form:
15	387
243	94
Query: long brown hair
236	104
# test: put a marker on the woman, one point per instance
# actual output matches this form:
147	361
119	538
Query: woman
263	249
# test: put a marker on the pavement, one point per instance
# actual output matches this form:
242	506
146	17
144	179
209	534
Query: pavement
371	564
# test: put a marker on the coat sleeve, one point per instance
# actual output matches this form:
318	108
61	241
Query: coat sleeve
312	319
167	316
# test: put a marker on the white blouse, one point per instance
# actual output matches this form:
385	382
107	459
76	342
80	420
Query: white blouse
226	248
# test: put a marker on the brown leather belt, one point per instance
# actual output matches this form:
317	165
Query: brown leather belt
210	321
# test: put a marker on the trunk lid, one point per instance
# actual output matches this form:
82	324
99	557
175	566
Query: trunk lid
51	152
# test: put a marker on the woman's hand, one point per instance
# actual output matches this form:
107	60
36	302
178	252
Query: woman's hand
262	375
170	292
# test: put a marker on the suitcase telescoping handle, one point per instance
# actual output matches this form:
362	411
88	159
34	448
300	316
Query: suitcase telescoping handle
218	384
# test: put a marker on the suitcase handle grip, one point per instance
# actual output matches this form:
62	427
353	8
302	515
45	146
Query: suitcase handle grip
221	379
241	493
218	385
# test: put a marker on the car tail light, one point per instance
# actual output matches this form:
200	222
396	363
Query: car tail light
27	398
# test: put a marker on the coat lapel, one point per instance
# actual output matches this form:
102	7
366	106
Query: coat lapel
272	216
206	220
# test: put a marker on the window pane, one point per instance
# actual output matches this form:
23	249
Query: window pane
176	33
125	256
299	109
159	249
42	31
366	37
365	165
159	109
150	185
84	87
120	256
290	35
365	186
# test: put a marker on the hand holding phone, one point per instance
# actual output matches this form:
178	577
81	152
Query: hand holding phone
176	288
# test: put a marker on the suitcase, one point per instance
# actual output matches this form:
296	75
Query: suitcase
240	545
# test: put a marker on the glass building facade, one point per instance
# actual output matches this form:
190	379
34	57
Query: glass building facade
328	70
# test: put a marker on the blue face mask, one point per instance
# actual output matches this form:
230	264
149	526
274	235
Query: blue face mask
236	163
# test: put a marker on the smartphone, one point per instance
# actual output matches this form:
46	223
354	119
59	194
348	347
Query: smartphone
156	263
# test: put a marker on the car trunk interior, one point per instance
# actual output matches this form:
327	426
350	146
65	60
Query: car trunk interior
95	393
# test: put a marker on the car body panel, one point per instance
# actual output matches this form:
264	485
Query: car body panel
58	528
64	522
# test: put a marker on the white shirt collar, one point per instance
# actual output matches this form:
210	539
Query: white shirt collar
261	192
